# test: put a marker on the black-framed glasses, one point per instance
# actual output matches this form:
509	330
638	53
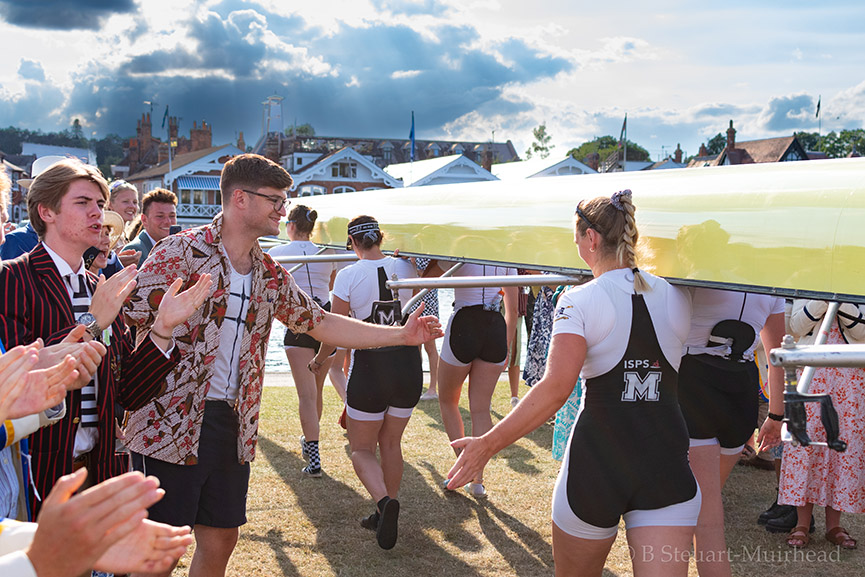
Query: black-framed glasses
579	212
279	202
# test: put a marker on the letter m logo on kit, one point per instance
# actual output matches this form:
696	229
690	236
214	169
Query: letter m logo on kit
641	388
385	316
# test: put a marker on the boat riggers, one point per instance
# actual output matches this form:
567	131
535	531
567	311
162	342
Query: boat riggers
790	356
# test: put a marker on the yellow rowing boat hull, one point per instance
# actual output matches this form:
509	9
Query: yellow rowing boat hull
793	228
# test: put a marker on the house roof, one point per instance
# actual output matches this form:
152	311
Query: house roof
444	168
757	151
312	171
535	166
385	151
178	161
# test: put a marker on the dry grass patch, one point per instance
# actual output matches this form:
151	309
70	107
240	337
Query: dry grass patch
309	527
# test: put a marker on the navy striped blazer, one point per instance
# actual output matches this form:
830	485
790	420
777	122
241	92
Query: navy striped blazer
34	303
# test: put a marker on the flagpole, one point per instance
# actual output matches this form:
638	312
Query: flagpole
625	162
411	151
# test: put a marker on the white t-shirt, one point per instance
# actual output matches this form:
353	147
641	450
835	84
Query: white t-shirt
711	306
596	311
357	284
312	278
225	383
490	296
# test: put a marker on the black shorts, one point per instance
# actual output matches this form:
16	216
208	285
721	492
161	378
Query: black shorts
211	493
717	402
303	340
384	378
475	333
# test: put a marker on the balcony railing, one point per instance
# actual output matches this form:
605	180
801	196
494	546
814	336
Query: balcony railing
198	210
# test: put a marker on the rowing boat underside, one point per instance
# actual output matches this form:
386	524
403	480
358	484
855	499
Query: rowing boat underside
793	228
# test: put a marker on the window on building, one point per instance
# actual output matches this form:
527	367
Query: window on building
311	190
299	161
341	189
344	170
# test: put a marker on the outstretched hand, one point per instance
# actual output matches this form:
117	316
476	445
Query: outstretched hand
87	355
110	295
76	530
151	548
177	306
418	329
473	457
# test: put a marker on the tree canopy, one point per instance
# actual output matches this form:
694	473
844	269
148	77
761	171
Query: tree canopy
835	145
607	145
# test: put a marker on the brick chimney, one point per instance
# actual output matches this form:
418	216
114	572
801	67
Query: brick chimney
593	160
145	134
241	144
201	137
487	159
271	146
163	152
731	137
703	151
677	156
172	128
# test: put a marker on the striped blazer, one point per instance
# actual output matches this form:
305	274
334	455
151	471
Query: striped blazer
34	303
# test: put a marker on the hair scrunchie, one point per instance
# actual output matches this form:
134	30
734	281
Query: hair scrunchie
616	199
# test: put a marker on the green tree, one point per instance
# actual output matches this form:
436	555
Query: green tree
302	130
541	146
717	144
808	140
607	145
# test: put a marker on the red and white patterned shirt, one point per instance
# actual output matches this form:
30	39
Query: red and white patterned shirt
168	428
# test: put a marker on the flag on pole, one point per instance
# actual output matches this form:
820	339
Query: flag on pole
165	116
411	137
819	98
624	130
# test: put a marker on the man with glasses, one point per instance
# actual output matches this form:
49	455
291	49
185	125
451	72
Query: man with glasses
199	436
158	215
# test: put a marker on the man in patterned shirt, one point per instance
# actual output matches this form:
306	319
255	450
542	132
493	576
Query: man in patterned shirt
199	436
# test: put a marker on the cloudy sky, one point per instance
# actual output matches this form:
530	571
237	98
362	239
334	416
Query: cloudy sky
470	69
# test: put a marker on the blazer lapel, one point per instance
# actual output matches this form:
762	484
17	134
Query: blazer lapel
46	271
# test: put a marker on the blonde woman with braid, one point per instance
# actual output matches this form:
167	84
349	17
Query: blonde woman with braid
627	455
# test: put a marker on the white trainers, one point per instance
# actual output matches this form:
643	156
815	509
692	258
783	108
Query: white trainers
429	395
514	402
303	450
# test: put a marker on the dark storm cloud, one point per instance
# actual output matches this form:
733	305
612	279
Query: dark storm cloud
33	108
62	14
789	113
31	70
364	81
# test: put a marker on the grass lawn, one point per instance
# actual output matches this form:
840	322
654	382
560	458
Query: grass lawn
309	527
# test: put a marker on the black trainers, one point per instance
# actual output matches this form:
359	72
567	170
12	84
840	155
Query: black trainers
774	512
310	472
785	523
386	532
370	522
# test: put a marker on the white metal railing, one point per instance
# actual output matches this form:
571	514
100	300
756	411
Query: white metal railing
198	210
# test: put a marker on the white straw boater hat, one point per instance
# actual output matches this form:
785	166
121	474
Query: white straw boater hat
114	222
40	165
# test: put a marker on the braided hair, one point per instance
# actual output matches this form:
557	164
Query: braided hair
613	219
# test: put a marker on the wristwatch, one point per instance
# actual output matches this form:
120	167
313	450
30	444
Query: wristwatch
93	327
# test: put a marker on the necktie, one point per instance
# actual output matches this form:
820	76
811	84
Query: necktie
80	305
